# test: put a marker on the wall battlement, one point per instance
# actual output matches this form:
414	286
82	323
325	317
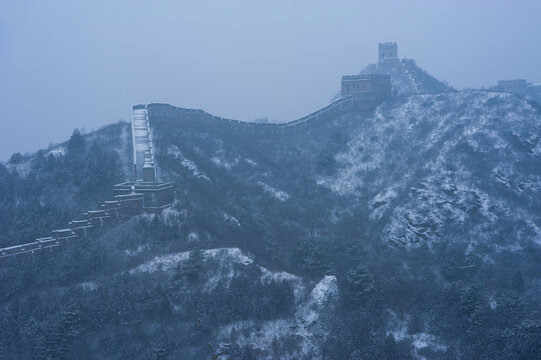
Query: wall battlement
366	77
156	196
515	86
387	51
143	148
359	93
93	222
366	90
336	108
513	81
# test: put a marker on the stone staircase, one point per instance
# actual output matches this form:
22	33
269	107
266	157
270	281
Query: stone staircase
94	222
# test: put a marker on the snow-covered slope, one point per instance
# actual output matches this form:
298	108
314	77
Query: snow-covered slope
533	92
460	166
313	303
413	231
407	78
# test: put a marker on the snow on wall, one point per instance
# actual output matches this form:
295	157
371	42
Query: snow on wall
143	151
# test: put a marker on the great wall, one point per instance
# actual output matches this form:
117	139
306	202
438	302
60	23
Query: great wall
145	194
359	93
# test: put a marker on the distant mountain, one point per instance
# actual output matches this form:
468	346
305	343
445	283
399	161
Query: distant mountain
410	232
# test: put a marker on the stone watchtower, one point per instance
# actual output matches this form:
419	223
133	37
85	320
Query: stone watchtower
387	51
156	195
367	90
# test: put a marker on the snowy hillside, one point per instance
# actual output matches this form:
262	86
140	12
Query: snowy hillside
226	268
407	78
448	167
533	92
43	191
411	232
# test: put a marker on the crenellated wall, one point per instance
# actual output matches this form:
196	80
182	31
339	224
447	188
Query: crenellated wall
143	148
367	90
516	86
94	222
336	108
387	51
359	93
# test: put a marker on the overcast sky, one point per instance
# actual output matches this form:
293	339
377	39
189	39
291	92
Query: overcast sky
67	64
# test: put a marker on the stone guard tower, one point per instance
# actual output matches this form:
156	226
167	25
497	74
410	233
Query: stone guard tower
367	90
387	51
156	195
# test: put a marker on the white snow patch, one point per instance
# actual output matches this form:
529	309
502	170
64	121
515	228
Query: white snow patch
399	333
224	163
170	216
488	260
57	151
224	269
260	336
324	291
213	281
225	256
380	202
307	314
492	303
138	250
228	255
193	237
296	282
399	330
161	263
22	169
147	217
278	194
536	236
125	140
231	219
89	286
516	248
397	326
423	340
174	151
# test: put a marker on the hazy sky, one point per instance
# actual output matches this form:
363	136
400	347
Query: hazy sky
67	64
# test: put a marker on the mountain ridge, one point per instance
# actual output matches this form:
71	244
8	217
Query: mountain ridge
421	218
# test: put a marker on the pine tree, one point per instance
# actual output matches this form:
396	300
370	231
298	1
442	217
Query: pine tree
188	272
360	282
76	143
517	282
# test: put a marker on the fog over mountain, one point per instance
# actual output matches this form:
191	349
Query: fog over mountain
285	184
65	65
